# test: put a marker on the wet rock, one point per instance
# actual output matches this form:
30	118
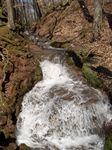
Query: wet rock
108	127
63	93
92	97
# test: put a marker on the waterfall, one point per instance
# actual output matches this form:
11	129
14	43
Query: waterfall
62	113
26	12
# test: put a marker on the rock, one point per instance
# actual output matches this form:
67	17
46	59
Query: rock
108	127
9	130
12	146
10	68
3	120
46	28
77	60
63	93
91	76
24	147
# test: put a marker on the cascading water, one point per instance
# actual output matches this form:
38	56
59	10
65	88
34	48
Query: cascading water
62	113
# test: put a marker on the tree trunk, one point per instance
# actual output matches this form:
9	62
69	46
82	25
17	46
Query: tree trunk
10	14
97	18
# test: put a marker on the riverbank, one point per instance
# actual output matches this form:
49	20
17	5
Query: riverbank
19	71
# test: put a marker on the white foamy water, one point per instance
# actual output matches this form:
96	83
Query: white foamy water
62	113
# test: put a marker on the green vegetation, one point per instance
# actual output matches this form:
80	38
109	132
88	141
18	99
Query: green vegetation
108	142
91	76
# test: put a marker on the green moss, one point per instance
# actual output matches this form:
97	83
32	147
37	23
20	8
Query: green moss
108	142
38	74
91	76
84	55
70	61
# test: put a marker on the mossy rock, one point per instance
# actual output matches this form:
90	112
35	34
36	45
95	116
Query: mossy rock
108	142
57	44
85	55
91	76
38	74
70	61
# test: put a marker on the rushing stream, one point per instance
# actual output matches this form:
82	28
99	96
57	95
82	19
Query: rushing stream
62	113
